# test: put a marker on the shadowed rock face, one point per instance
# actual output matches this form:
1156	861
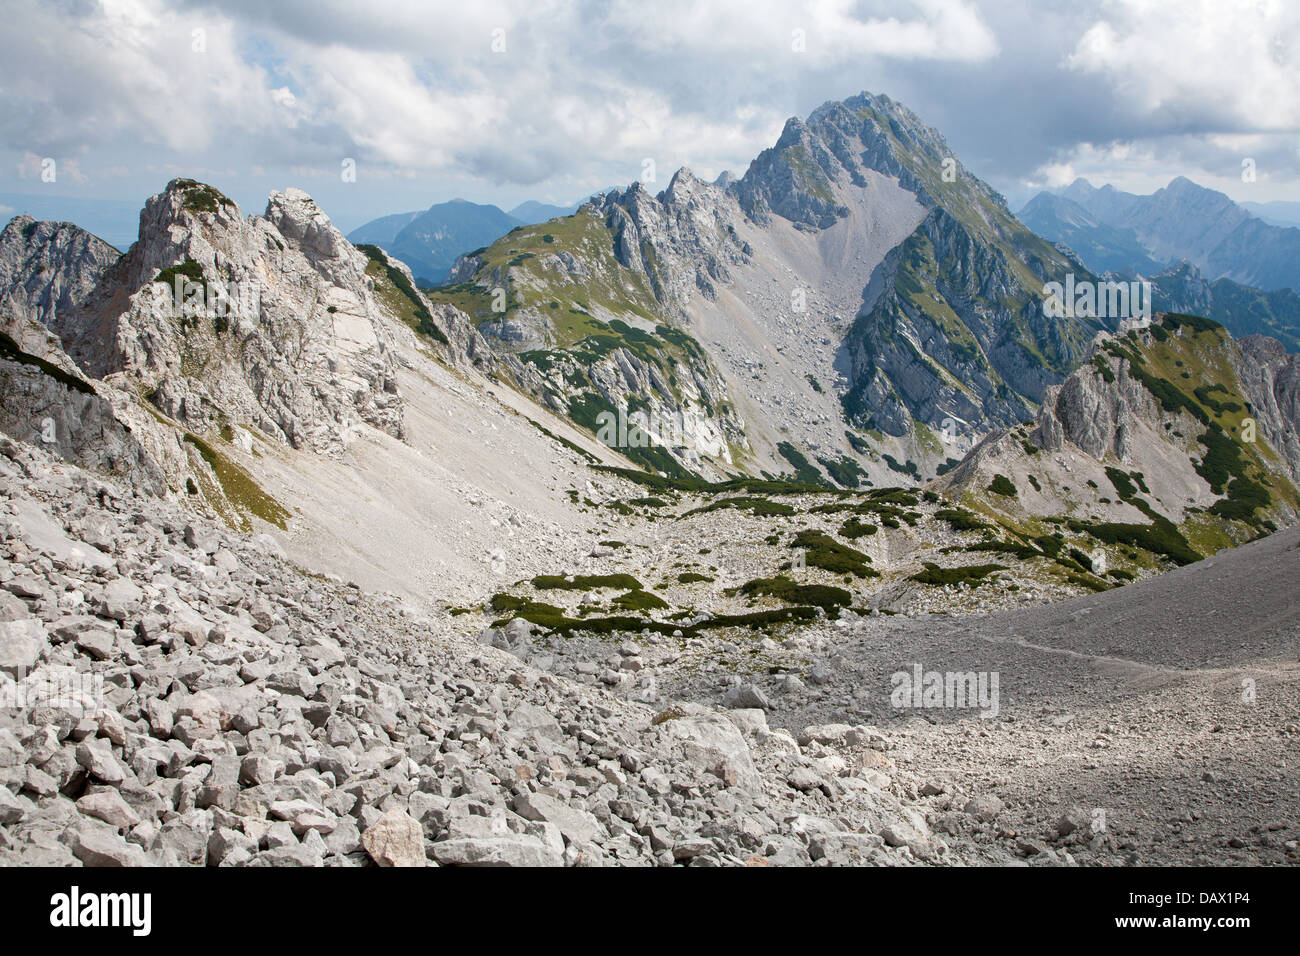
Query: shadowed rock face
1271	380
47	270
45	400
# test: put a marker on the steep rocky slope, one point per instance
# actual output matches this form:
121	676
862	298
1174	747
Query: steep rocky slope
1174	435
958	332
225	321
282	409
859	211
47	270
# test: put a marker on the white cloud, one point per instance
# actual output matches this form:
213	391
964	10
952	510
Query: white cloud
1236	58
584	91
575	88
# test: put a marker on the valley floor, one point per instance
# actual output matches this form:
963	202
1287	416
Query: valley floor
235	709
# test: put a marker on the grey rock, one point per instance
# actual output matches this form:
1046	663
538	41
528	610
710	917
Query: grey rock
108	805
100	847
395	840
22	643
508	851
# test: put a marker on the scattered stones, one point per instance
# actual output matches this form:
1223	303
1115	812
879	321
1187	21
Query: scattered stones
241	712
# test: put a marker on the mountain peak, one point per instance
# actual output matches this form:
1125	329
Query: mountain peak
189	197
1183	185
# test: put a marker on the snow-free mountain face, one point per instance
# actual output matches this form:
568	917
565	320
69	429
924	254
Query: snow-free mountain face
1181	287
1104	248
858	292
430	242
856	310
1182	221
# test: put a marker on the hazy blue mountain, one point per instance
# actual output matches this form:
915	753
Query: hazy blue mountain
532	211
1103	248
382	231
1184	221
114	221
1276	213
430	241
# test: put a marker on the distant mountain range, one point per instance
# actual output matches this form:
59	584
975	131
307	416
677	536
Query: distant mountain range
533	212
429	242
1241	309
1277	213
1192	243
1112	230
1101	246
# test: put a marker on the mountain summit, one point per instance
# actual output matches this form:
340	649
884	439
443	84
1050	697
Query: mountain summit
857	291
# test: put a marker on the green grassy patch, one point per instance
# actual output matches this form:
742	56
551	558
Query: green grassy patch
971	575
1002	485
961	520
823	551
692	577
1159	537
200	197
854	529
638	600
792	592
397	294
760	507
238	486
804	471
585	582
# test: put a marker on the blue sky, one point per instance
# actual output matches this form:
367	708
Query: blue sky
502	102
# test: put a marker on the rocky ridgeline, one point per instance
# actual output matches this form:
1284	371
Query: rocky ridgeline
177	695
277	326
1104	415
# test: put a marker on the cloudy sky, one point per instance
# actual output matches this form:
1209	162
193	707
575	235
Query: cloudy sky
505	101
